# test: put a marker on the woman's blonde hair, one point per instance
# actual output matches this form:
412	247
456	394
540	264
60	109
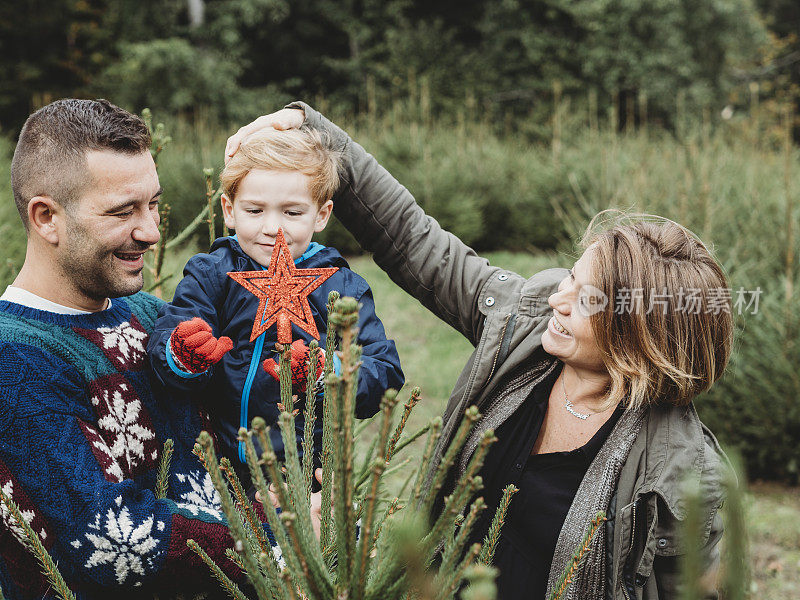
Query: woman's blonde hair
303	150
666	332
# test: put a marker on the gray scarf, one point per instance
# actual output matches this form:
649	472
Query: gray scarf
593	495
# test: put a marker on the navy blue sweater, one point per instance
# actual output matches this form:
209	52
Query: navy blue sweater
80	441
237	389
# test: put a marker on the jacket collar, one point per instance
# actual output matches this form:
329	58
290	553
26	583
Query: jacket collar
315	255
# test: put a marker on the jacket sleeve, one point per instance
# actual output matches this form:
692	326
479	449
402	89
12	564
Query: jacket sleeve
196	296
429	263
101	529
380	363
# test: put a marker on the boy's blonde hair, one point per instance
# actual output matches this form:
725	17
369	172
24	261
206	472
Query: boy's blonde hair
303	150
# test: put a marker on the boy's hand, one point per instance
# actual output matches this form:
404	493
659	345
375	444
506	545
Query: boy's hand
300	365
286	118
194	346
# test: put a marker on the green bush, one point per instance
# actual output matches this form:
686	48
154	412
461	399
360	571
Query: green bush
11	230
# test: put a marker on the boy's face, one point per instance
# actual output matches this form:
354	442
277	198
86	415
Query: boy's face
267	201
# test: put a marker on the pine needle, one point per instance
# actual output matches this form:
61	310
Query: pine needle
34	545
162	479
225	581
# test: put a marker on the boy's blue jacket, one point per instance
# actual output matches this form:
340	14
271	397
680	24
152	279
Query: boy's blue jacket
237	389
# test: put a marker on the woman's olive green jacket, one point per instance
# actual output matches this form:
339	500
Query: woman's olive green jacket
504	315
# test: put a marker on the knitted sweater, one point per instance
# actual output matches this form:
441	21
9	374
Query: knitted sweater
80	441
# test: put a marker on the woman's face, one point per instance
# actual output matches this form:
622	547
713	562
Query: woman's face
569	336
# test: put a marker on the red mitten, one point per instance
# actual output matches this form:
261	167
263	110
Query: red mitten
194	346
300	356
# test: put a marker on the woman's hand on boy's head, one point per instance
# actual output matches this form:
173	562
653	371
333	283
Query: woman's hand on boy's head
286	118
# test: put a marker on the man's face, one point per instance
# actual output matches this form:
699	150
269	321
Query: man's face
105	233
270	200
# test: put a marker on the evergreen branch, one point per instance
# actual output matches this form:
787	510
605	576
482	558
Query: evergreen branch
246	506
227	584
299	501
198	452
452	549
358	583
291	594
235	525
736	569
433	438
289	546
491	539
471	416
572	567
34	545
318	583
161	245
451	584
188	230
407	408
285	377
328	411
310	417
481	583
393	507
159	283
162	478
257	476
364	470
465	488
412	438
235	558
211	198
344	318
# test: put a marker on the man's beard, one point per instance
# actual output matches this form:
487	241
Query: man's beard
95	272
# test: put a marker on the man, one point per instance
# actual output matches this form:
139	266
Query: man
80	432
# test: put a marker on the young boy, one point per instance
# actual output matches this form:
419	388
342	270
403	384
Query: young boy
200	344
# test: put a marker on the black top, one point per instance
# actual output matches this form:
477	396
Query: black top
547	485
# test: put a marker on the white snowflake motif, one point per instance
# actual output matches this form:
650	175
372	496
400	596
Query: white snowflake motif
8	518
129	549
201	496
126	339
121	423
278	554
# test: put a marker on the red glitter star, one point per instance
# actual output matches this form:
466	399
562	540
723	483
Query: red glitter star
282	291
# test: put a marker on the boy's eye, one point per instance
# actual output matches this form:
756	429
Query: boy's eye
253	211
293	213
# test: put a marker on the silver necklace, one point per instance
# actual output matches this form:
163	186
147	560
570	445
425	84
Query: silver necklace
570	407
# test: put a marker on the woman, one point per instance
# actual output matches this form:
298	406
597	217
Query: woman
586	376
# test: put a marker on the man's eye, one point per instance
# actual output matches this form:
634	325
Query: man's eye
126	213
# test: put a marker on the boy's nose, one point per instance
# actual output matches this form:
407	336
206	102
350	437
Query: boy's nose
270	225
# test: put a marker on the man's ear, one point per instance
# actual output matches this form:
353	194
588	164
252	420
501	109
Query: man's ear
323	214
44	215
227	211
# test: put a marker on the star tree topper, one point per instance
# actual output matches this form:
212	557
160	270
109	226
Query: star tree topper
282	291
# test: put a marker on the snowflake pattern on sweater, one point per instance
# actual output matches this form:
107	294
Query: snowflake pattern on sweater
120	544
80	437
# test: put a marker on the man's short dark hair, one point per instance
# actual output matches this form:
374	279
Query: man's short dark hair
50	157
